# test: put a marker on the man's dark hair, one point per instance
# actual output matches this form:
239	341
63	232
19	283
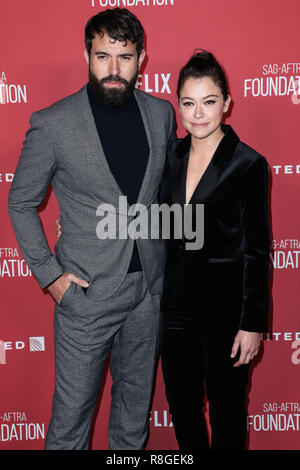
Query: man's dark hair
203	64
119	23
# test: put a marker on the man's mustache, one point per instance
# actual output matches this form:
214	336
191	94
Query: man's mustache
114	78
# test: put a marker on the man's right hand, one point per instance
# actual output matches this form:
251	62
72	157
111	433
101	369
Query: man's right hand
59	287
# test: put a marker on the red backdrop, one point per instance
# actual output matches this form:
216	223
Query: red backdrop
41	62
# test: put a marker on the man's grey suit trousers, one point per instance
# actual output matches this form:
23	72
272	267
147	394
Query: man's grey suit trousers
86	331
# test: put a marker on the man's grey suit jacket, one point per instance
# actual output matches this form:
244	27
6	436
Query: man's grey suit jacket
62	148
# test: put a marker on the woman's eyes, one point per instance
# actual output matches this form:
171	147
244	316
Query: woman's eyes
188	104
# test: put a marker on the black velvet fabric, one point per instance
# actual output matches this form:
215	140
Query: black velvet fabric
196	363
211	293
225	284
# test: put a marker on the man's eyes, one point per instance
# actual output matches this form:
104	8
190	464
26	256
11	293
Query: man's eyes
123	57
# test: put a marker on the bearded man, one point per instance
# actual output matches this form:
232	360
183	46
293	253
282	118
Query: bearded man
106	141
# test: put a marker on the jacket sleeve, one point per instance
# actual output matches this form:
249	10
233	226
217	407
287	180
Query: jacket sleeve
255	222
33	175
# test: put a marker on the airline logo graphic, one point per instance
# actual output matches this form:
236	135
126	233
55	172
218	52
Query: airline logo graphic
295	357
37	343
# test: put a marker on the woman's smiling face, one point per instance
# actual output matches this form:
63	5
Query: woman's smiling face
201	107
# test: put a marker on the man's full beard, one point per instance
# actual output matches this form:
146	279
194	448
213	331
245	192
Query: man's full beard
113	96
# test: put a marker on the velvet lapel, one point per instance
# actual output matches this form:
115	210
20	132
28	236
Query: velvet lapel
209	180
178	162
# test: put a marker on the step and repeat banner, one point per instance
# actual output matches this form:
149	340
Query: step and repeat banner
257	42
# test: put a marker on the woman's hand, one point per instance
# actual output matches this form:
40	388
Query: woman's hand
248	343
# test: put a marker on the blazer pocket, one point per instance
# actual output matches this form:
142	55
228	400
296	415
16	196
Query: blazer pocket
84	290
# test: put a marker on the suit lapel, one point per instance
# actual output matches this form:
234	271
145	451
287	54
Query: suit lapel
178	190
93	142
178	179
223	154
178	161
210	177
179	175
95	147
206	184
148	124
